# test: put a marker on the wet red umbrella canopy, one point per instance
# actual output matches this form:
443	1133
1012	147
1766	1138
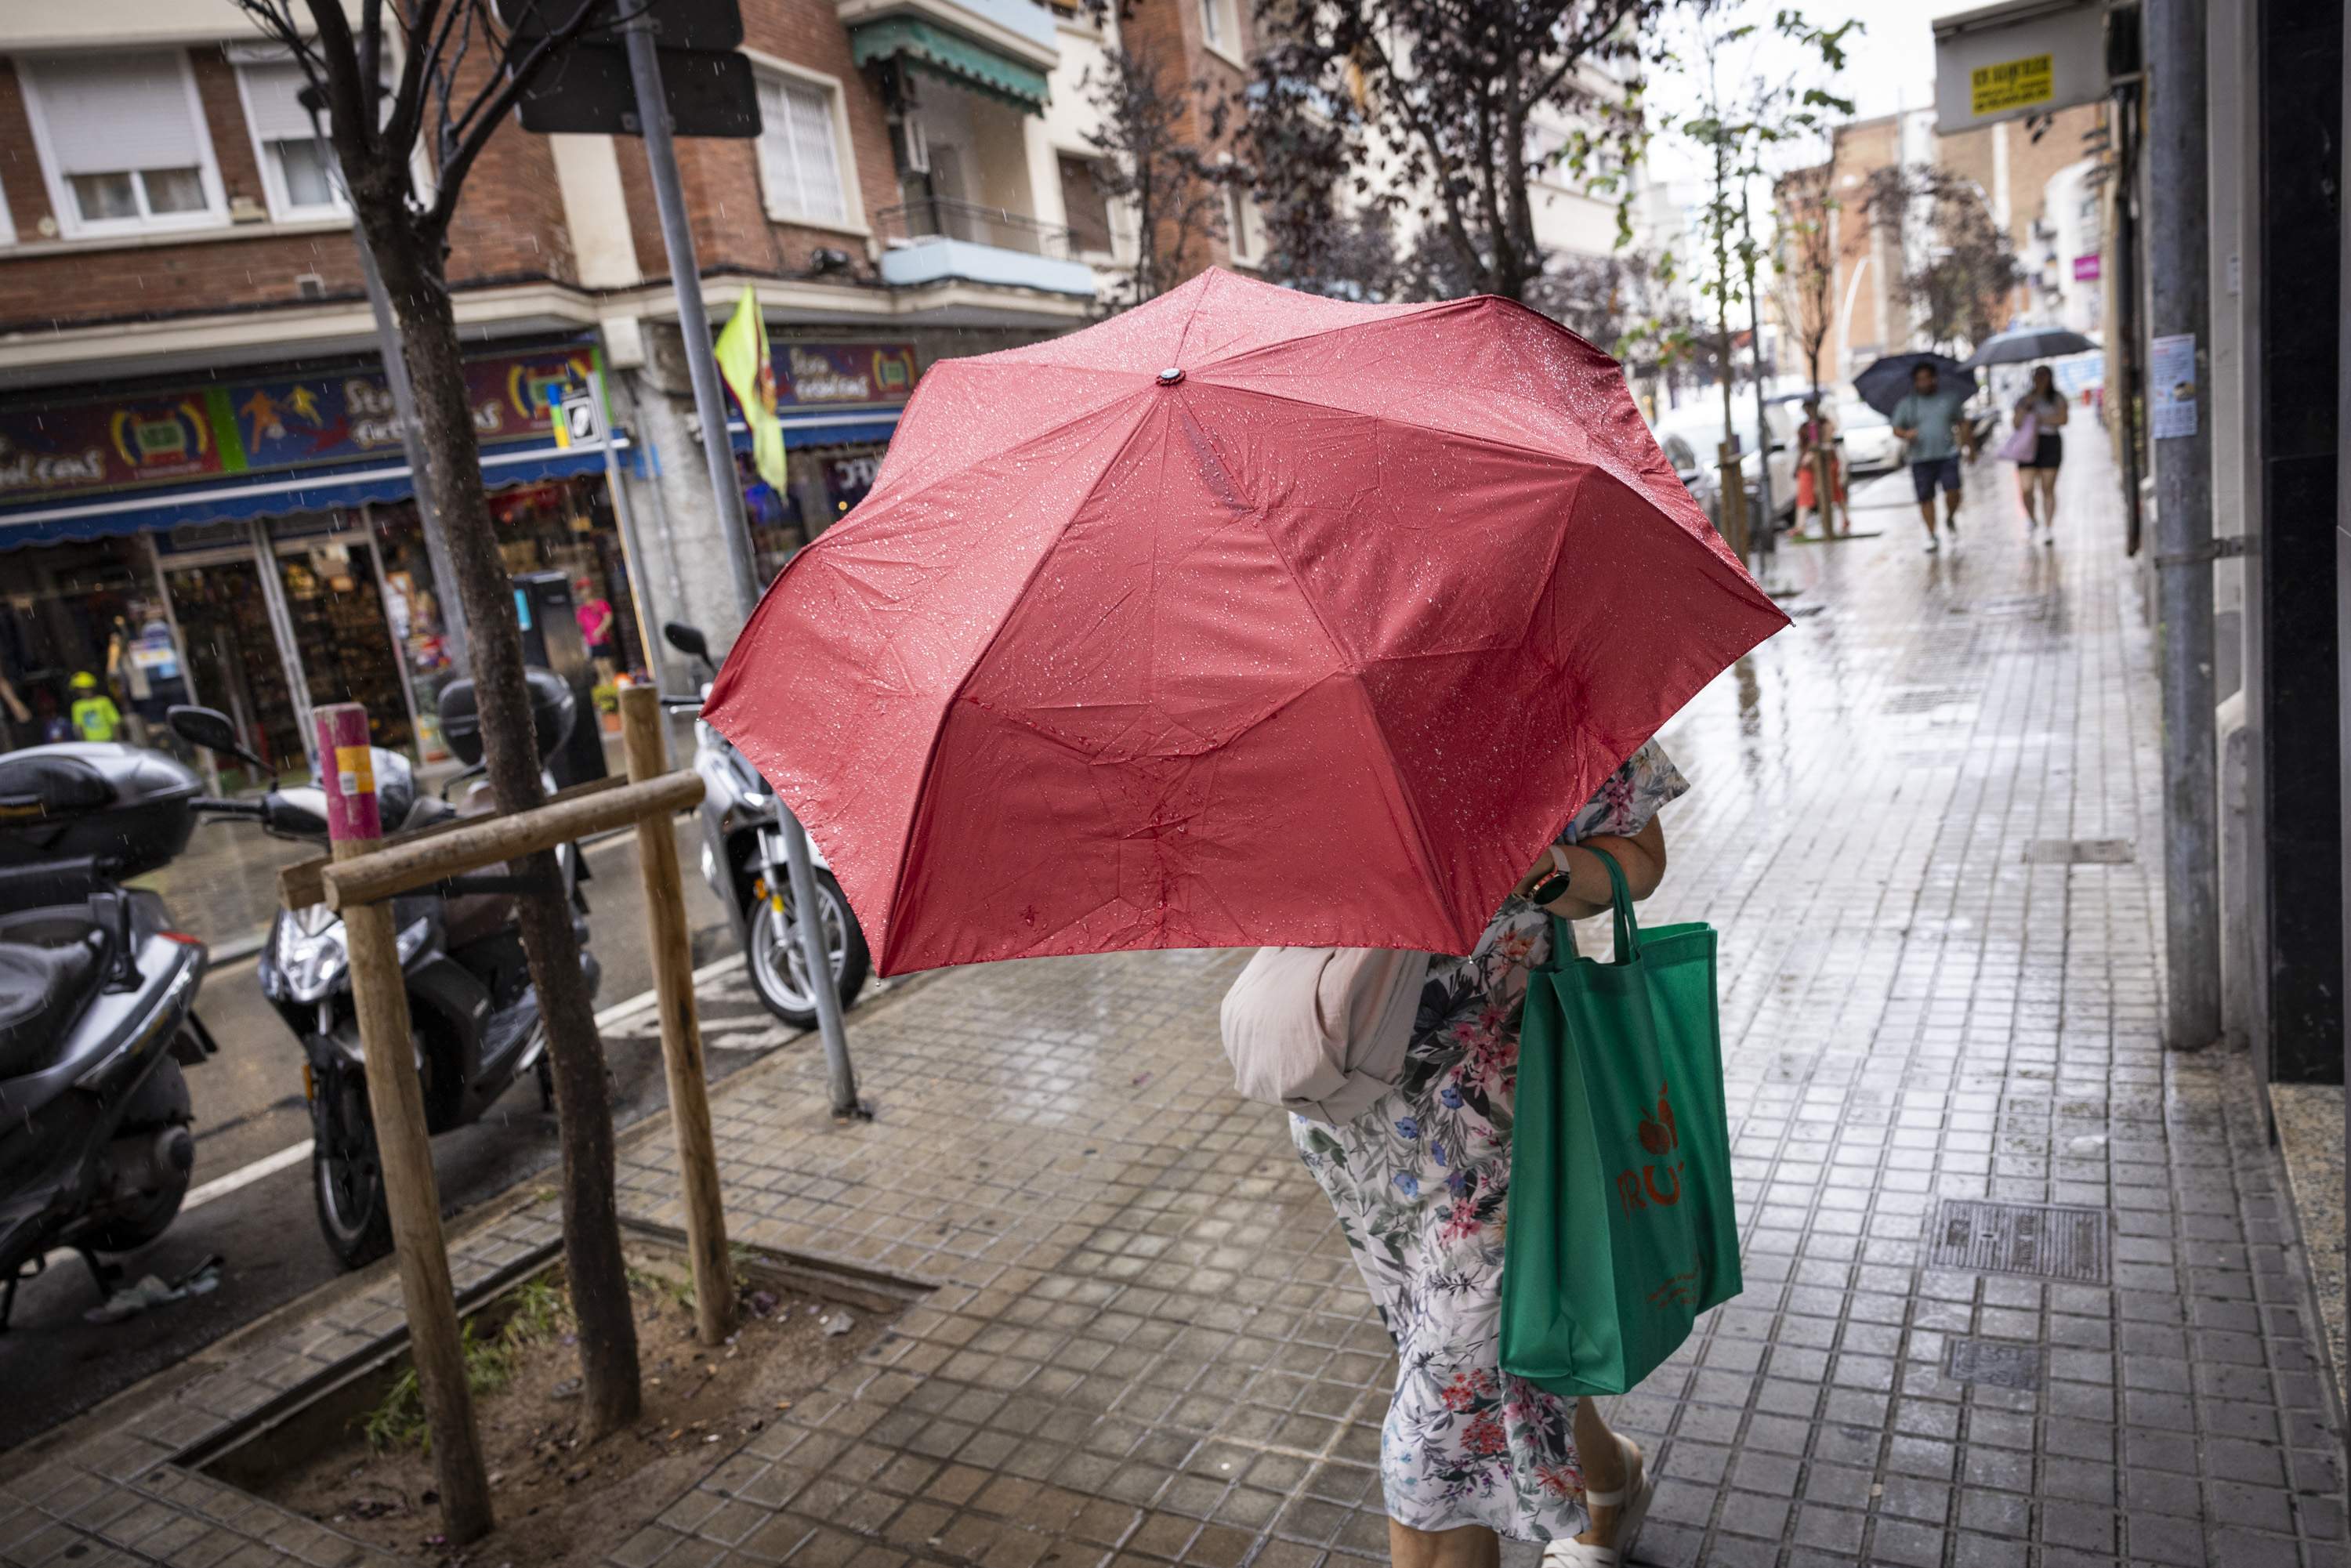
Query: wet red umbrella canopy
1245	617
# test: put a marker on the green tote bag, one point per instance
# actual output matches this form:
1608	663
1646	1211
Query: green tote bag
1621	1226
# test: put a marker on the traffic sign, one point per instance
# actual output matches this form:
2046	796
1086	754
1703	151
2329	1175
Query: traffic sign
577	423
585	90
677	24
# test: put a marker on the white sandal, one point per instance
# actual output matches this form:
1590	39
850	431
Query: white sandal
1632	1499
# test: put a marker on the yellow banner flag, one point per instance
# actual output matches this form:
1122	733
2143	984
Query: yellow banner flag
741	352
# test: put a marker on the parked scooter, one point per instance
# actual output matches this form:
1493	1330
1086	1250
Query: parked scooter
743	862
470	1001
98	994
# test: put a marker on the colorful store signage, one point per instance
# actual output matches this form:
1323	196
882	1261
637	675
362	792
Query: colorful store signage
820	375
281	424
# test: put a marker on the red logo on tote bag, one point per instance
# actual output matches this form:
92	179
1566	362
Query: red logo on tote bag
1639	1187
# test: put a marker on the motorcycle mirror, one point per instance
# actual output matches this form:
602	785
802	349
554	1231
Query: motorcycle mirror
687	640
210	729
475	771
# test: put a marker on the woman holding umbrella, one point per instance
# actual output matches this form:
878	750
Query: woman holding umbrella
1249	618
2036	471
1469	1454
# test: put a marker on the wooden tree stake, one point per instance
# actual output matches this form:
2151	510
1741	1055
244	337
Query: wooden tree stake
681	1029
396	1102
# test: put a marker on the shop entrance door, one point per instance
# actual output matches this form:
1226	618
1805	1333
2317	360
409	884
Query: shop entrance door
335	609
232	657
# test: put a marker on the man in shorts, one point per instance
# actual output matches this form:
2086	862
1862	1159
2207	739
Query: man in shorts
1931	420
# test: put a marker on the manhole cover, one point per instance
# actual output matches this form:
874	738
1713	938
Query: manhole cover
2080	852
2003	1363
2019	1238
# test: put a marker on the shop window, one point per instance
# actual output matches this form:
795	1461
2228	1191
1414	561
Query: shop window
1084	205
122	140
297	163
799	158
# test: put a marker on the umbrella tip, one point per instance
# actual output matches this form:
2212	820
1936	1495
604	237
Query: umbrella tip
1170	376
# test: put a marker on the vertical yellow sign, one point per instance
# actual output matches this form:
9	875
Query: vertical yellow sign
2011	84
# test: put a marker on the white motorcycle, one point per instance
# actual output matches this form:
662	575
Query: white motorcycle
743	862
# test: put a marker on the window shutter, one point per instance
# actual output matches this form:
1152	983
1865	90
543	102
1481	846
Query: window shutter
803	168
811	115
110	113
271	102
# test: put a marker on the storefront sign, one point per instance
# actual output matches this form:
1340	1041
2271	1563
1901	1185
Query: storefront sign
2011	84
819	375
2017	58
85	447
2087	269
263	426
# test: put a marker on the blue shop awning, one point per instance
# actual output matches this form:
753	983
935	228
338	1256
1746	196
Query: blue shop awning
273	494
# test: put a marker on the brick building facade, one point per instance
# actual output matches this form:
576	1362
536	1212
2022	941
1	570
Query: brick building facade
197	457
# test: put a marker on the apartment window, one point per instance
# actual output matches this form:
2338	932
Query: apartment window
1244	231
122	140
1218	29
297	163
799	158
7	223
1084	205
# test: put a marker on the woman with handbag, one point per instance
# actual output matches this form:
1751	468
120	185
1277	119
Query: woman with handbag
1468	1453
2037	465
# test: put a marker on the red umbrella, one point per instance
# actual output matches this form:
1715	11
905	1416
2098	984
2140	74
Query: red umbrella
1247	617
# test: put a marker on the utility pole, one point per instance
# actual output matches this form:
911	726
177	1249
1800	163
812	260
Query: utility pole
710	408
1769	520
2178	257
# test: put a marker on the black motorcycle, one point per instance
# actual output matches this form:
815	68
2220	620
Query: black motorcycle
471	1006
98	993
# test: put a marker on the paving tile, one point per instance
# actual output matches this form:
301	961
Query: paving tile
1144	1342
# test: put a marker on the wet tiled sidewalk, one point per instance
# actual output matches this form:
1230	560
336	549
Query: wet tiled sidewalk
1146	1343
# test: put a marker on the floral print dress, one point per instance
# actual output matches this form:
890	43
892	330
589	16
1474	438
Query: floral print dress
1421	1181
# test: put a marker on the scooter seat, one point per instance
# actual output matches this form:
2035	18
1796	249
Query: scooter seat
42	991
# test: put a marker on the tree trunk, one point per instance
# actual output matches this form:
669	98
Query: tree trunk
413	275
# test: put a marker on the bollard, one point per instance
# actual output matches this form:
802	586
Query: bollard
396	1103
681	1029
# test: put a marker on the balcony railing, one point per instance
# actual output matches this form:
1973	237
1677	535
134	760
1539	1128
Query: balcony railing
943	218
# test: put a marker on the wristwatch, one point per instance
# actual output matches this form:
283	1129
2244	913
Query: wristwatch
1555	887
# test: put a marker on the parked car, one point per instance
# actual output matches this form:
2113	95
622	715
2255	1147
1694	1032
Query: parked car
1868	438
1698	426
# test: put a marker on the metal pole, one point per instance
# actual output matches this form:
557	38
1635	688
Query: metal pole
404	403
632	548
2179	256
1770	520
710	409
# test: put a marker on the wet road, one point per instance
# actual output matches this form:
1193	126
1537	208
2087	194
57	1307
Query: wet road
249	1103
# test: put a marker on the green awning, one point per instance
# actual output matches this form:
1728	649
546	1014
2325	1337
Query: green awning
963	61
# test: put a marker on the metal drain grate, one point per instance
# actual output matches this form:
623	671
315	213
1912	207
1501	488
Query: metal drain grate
2081	852
2053	1242
2003	1363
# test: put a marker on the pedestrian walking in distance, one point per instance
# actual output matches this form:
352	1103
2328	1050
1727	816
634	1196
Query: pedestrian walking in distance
2036	472
1816	436
1932	422
1471	1455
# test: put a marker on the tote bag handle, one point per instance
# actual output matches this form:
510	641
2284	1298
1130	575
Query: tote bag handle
1628	929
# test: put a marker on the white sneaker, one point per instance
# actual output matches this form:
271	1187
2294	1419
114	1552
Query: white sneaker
1933	544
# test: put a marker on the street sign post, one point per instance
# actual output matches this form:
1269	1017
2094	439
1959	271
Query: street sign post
677	56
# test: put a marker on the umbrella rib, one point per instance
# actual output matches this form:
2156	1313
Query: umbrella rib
891	499
931	755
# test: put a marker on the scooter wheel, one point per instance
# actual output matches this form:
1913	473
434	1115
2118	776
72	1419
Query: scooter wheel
346	1178
161	1101
779	972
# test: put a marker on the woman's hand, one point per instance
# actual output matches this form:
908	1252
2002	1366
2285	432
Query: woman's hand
1642	858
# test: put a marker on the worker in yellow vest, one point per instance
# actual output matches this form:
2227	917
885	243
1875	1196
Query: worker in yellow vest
95	717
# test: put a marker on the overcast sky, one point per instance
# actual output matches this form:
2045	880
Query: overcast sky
1890	58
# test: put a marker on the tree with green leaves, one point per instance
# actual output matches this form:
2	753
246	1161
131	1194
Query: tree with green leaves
1423	111
1741	132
